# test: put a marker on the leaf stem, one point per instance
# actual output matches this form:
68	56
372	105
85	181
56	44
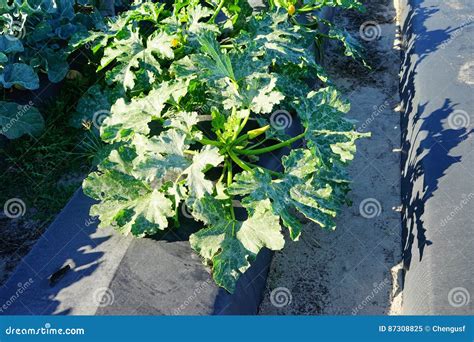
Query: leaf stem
258	144
229	172
239	162
216	12
224	169
308	9
271	148
242	125
176	214
239	139
206	141
250	135
228	163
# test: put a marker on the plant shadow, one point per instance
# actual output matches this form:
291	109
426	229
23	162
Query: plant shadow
58	266
426	144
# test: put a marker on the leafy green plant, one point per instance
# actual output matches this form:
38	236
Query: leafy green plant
198	110
34	39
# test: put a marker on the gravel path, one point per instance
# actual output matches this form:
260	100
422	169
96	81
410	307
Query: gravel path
355	270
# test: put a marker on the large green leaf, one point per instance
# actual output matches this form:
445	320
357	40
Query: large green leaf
162	159
94	106
259	94
55	63
127	119
10	44
143	214
17	120
135	58
19	74
352	47
273	37
329	133
196	180
214	63
196	20
299	190
127	204
231	245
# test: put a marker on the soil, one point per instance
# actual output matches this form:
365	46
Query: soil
355	270
18	235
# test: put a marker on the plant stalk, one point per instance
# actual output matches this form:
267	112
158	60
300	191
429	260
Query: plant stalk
239	162
216	12
271	148
206	141
258	144
229	183
242	125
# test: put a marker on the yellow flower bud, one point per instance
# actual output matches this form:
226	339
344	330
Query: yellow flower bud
291	9
256	132
174	42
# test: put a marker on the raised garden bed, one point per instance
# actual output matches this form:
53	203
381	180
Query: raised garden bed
220	145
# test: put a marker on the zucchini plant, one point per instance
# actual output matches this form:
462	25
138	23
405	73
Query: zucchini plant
199	95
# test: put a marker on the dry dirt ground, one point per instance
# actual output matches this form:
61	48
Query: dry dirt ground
355	269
